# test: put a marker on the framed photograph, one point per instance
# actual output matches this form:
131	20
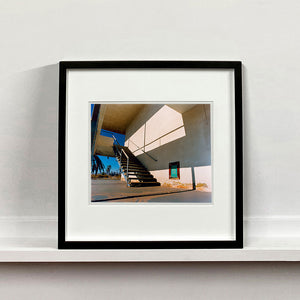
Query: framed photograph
150	155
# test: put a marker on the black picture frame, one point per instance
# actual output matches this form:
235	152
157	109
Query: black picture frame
236	66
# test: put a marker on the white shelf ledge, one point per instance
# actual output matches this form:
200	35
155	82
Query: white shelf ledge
45	250
34	239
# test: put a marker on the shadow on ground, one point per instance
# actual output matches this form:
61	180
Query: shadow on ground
117	191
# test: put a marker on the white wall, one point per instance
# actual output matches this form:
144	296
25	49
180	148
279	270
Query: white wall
264	34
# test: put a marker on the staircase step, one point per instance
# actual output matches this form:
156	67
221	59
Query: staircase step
133	168
140	184
138	175
130	158
131	163
141	178
135	180
139	172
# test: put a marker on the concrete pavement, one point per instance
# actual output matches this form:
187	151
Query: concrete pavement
107	190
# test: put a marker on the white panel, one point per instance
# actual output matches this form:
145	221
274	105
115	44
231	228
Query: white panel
156	222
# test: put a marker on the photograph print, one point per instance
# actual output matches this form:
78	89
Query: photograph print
151	153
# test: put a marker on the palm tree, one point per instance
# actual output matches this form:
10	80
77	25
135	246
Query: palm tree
108	169
97	165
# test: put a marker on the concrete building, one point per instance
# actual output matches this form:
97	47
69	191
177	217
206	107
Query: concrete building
172	141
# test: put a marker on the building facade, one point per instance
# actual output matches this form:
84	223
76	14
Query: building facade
174	143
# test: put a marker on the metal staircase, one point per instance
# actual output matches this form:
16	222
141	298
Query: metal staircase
132	169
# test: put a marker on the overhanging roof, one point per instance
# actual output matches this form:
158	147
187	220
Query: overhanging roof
118	116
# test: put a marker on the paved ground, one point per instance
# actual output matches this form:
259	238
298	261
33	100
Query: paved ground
117	191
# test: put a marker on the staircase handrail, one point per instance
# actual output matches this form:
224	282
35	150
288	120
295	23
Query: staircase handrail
116	140
127	158
141	148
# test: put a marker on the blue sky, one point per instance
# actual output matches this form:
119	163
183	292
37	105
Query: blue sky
111	160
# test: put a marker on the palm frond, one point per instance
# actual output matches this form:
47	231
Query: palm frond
97	165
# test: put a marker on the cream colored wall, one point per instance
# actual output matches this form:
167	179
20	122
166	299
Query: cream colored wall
169	136
104	145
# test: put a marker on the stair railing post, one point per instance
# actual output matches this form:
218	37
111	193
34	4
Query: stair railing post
120	150
127	170
127	166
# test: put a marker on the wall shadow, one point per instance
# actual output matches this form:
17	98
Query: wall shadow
30	143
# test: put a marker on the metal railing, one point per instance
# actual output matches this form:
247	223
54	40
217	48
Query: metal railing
120	152
141	148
